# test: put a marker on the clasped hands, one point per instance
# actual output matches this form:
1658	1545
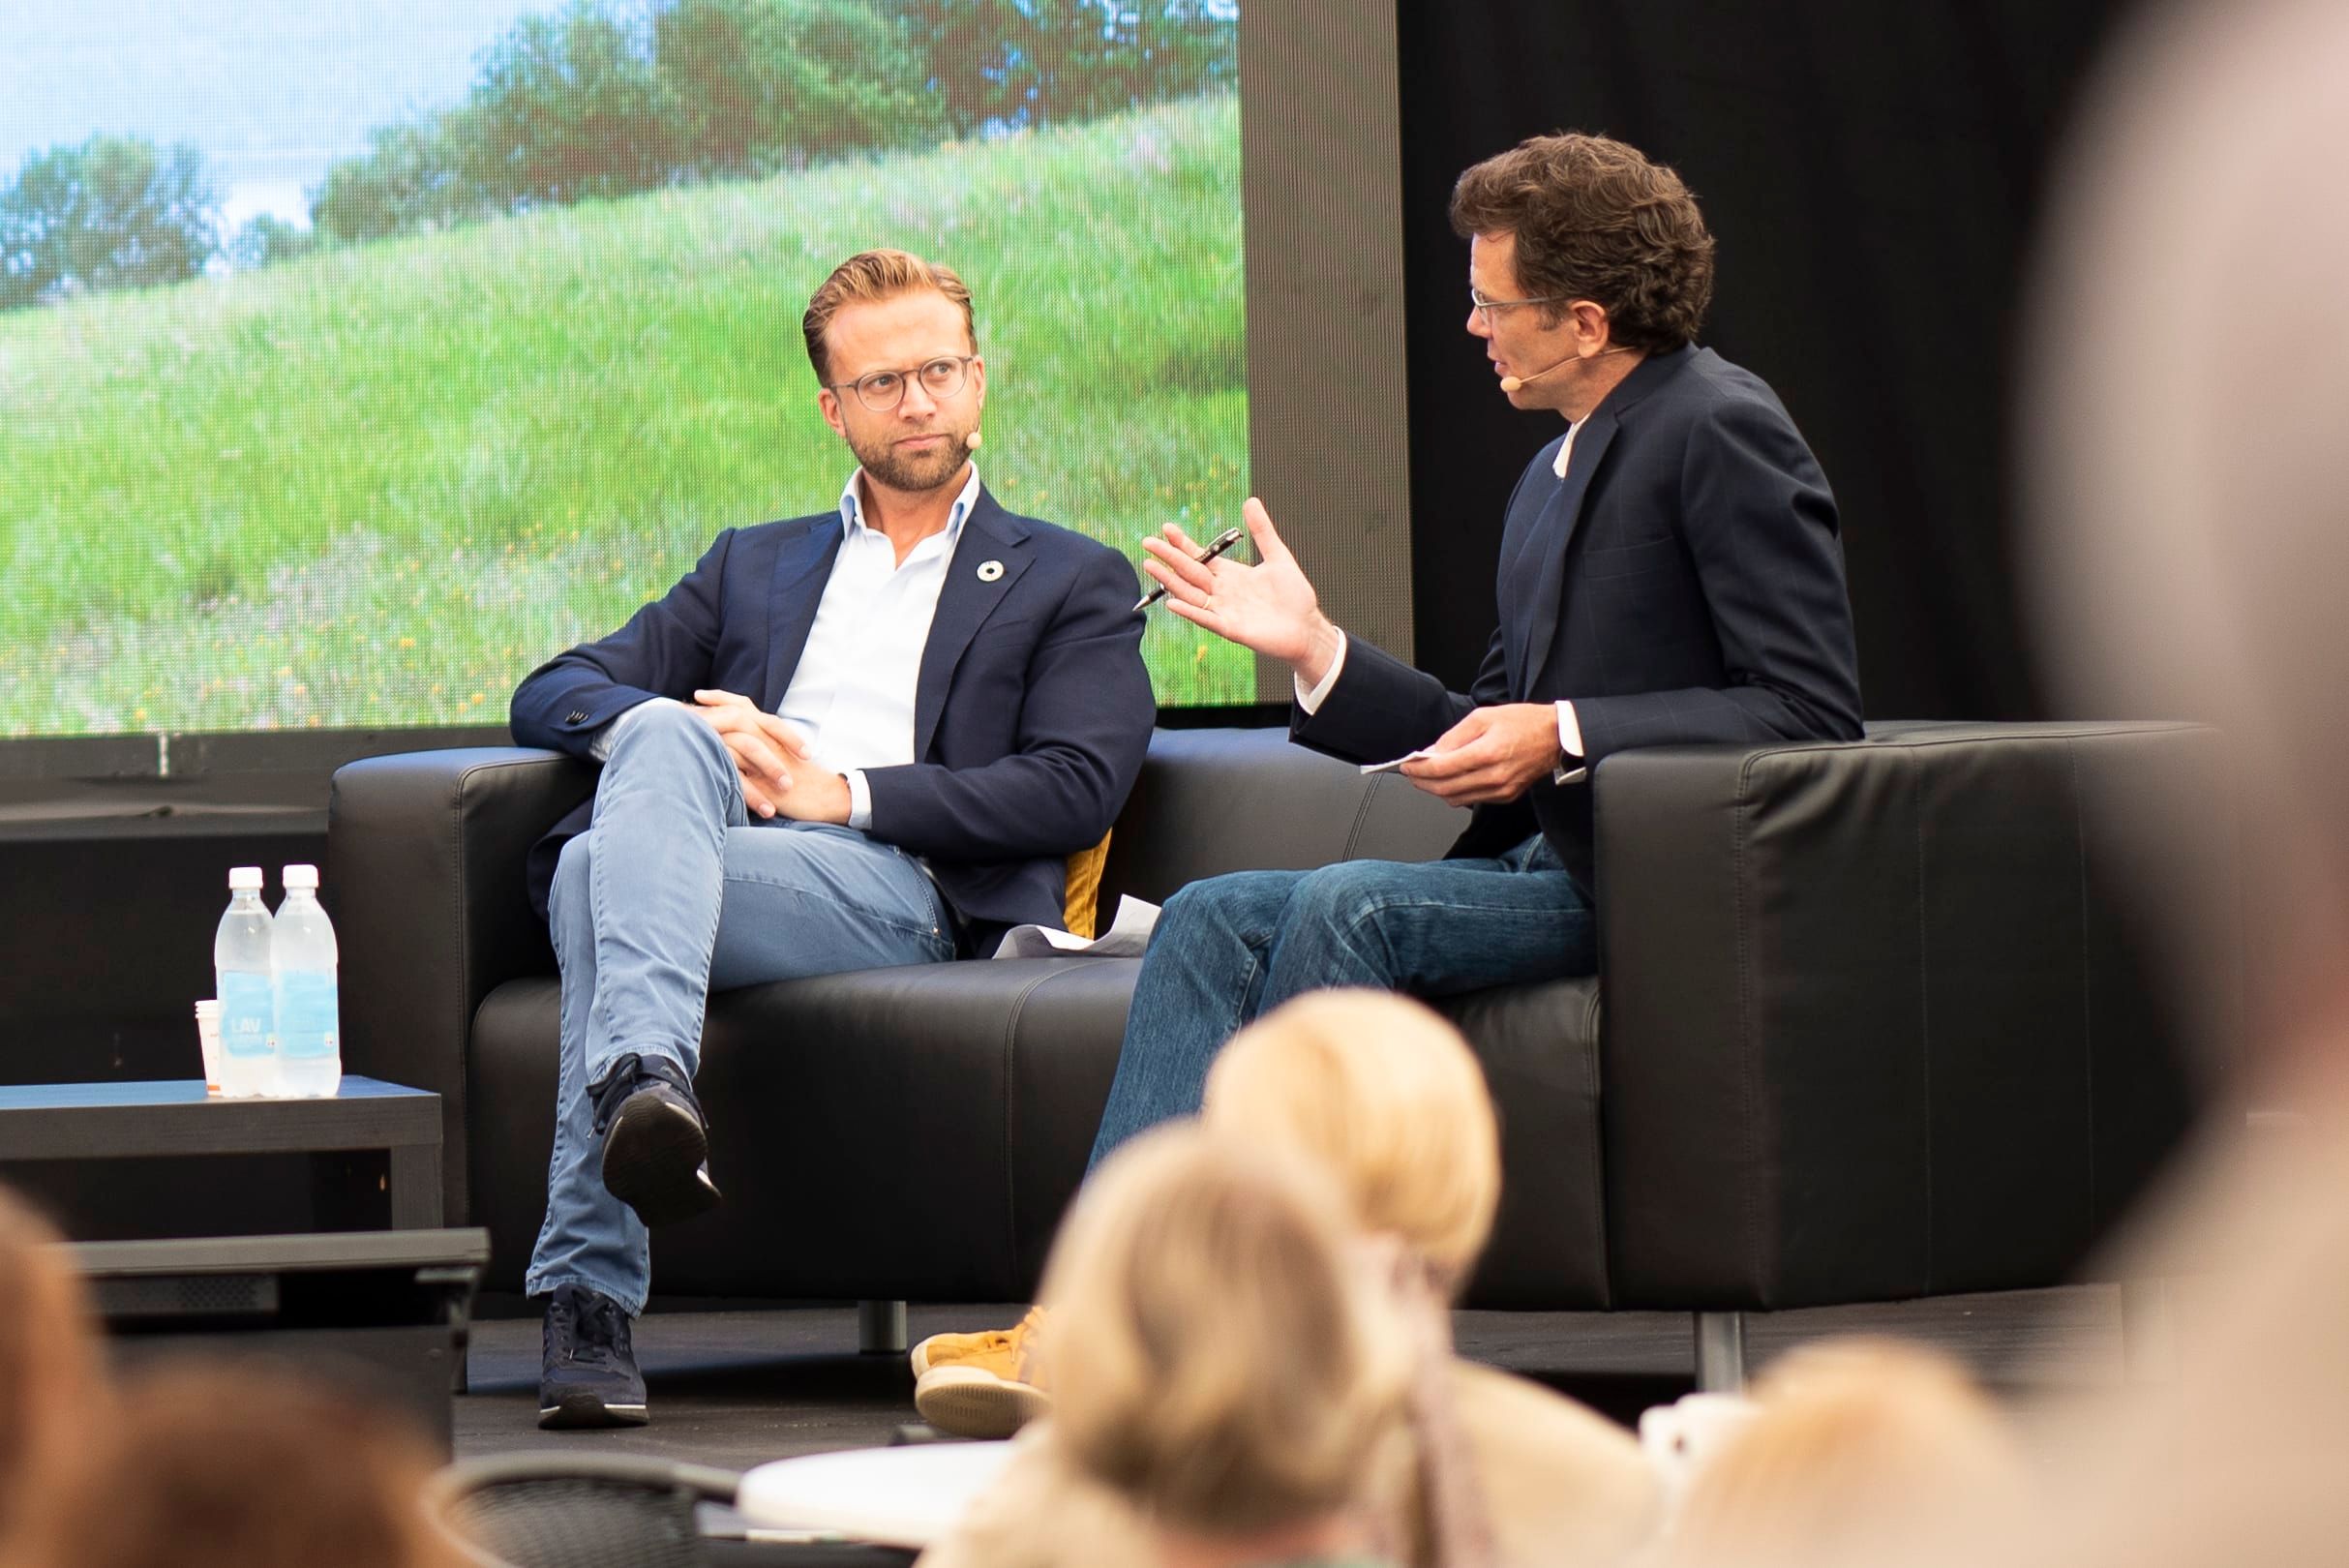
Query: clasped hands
1496	753
779	779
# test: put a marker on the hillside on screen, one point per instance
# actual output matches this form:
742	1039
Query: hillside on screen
315	423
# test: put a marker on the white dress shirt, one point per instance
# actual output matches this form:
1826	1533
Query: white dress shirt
1570	728
850	697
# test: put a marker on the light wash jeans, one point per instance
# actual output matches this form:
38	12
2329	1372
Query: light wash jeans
673	894
1232	946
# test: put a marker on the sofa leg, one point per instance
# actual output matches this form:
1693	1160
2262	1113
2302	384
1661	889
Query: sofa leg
1719	1352
881	1328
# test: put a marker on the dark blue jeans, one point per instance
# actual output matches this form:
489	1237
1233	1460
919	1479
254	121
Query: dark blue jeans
1229	948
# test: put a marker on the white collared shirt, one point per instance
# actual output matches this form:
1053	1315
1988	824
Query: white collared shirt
852	693
1570	728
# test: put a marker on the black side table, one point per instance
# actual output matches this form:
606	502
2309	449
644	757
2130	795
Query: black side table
112	1121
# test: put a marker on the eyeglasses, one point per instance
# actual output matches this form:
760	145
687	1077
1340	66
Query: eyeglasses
1488	306
883	390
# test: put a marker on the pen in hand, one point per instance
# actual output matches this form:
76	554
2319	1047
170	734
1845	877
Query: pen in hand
1222	542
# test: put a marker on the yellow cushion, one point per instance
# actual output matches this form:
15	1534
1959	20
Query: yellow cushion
1080	904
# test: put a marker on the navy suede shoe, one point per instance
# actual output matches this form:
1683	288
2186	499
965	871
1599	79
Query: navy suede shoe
656	1141
588	1377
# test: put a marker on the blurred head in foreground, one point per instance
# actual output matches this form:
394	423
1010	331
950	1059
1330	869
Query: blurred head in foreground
1855	1447
1220	1358
2192	518
52	1389
1387	1095
2190	488
239	1465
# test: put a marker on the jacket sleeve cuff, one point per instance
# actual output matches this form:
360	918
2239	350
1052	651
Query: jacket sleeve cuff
1569	748
1311	701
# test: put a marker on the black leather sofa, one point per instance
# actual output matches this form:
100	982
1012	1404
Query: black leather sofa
1866	1025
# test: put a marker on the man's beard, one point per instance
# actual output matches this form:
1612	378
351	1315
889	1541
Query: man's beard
914	472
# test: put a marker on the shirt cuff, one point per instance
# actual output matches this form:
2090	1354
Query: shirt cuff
600	747
859	801
1569	748
1310	701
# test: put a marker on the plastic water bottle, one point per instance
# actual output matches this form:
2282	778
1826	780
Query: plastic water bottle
241	964
302	956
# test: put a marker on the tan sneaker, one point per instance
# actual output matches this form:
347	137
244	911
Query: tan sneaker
988	1393
940	1349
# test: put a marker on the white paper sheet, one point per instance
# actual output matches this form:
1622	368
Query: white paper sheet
1128	935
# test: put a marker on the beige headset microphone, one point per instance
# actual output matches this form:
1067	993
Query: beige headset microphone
1511	383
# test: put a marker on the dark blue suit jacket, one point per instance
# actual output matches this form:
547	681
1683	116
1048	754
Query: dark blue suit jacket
1683	582
1031	714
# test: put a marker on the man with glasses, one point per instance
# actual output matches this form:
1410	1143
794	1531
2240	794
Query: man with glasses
866	738
1670	571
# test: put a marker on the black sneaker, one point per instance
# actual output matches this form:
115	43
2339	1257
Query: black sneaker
656	1141
588	1377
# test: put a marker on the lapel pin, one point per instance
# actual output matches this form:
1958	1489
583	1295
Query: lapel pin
990	570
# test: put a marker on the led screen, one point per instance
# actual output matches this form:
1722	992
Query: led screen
356	358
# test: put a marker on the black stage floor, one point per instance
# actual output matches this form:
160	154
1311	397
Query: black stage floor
738	1387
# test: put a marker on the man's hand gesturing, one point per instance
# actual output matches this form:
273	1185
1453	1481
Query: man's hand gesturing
765	748
1268	607
1495	753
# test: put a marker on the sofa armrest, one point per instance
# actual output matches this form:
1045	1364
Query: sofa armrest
1875	1027
424	851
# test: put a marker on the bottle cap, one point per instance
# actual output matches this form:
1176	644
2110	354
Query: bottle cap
245	879
300	876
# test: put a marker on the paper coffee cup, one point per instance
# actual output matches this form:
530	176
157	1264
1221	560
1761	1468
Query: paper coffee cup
208	1034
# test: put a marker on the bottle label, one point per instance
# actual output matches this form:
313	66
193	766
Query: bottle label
307	1022
246	1015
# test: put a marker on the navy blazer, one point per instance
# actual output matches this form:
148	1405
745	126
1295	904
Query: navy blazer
1684	582
1032	711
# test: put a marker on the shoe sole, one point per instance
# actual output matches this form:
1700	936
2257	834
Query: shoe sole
970	1402
652	1163
579	1412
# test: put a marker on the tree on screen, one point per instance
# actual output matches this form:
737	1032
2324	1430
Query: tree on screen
115	212
1042	61
766	85
410	180
604	97
567	106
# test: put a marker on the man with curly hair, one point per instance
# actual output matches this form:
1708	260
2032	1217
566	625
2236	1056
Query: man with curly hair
1670	571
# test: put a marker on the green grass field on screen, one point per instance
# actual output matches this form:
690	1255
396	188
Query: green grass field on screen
377	485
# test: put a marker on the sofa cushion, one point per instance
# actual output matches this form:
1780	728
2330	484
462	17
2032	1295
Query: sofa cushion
908	1132
1081	893
1538	1045
917	1131
1216	800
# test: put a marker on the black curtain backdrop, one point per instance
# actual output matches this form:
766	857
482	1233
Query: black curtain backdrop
1872	173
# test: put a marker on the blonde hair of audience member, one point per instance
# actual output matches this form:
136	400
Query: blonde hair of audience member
1855	1446
240	1465
1219	1358
1388	1095
51	1385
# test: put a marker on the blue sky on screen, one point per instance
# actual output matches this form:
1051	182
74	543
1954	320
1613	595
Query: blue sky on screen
271	90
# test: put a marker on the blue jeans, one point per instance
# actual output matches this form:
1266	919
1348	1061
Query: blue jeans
673	894
1230	947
